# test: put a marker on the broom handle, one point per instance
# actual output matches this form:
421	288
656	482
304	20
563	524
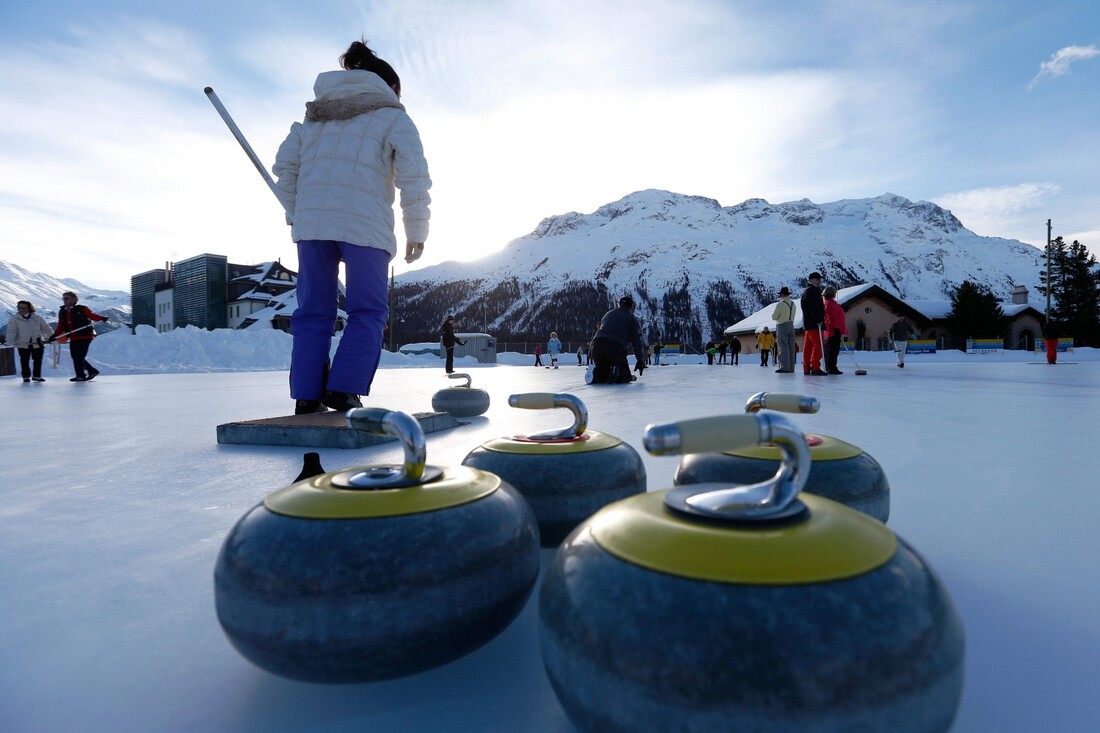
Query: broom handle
228	119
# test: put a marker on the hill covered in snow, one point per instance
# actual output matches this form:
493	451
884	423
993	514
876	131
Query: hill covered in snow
44	291
694	266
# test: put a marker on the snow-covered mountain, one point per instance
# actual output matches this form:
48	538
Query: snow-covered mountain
694	266
44	291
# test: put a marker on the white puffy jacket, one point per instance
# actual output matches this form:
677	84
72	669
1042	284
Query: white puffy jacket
337	169
23	331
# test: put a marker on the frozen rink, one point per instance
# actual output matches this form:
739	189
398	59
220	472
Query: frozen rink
116	499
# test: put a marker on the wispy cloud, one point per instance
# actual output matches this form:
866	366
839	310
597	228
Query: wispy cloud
998	209
1059	63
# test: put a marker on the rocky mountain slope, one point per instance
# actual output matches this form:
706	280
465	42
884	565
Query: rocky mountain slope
44	291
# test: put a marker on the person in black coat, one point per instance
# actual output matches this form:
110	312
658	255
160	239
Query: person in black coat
813	318
449	341
619	331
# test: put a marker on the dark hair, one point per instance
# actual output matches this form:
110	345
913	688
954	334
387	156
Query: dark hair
359	57
69	292
626	302
30	306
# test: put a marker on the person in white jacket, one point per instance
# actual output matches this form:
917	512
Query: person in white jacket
337	171
27	332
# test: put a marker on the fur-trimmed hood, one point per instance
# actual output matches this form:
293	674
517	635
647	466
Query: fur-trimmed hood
344	108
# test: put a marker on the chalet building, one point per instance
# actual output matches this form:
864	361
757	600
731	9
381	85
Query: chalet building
870	311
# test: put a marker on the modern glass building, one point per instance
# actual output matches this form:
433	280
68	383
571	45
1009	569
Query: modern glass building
143	289
199	291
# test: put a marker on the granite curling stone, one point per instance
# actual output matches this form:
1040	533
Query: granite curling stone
747	608
841	471
379	571
461	401
566	474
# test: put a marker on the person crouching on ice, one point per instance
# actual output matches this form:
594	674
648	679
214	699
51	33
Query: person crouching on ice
619	330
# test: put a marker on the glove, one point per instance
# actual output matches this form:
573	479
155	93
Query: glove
413	250
843	338
639	367
52	339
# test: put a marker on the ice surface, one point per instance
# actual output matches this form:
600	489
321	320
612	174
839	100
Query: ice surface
116	499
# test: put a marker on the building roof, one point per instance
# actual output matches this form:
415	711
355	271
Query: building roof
920	310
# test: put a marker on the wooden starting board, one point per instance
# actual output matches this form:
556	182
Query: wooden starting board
318	430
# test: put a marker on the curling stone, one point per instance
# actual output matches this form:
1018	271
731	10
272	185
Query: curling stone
841	471
461	401
565	474
718	608
379	571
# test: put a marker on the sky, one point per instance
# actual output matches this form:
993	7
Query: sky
114	162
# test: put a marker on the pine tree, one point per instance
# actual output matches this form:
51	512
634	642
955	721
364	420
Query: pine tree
975	313
1073	277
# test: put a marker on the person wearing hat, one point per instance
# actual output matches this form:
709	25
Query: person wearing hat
618	331
449	341
783	315
813	319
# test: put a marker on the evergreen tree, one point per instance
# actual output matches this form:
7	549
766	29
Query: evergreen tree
975	313
1073	278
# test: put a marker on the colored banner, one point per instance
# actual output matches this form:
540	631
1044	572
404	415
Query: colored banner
921	346
1065	344
985	346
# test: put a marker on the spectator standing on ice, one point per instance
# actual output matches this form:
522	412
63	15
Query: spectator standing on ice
337	172
813	320
1052	331
580	355
619	331
783	315
449	341
900	333
764	341
722	348
735	351
538	355
711	350
27	331
836	329
657	353
554	347
74	324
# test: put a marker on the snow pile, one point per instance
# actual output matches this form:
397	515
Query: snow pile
193	349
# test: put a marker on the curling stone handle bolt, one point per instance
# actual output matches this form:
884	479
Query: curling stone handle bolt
548	400
795	403
457	375
400	425
730	432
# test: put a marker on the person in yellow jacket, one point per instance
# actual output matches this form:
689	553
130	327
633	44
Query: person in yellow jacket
765	340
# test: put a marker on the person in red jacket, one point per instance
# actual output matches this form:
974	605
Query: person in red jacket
74	324
835	329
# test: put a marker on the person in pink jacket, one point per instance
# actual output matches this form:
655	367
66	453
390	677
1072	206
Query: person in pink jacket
836	329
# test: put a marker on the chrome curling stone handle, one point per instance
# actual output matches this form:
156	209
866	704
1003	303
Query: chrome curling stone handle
780	402
457	375
547	401
406	429
773	499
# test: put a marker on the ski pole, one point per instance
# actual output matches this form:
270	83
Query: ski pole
228	119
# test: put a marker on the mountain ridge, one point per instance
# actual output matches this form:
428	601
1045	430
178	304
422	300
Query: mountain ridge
694	266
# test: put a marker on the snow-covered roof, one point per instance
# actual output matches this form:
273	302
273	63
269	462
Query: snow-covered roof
934	310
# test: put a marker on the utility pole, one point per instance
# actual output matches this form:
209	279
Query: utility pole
1048	271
